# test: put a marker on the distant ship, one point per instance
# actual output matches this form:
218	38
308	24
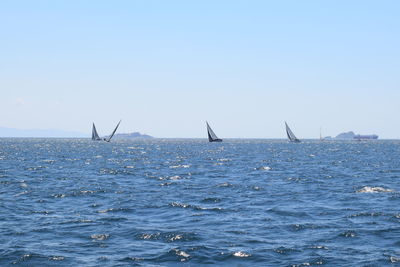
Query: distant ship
96	137
212	137
352	136
366	137
290	134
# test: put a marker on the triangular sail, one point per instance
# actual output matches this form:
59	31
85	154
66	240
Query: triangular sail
290	134
112	134
212	137
95	135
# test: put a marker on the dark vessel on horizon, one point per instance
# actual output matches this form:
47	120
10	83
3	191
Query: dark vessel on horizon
212	137
290	134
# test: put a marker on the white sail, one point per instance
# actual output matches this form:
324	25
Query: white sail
112	134
95	135
212	137
290	134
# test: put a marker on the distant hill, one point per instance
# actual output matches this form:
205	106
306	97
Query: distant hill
11	132
135	135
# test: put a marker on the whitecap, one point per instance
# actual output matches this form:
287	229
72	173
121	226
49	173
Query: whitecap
241	254
225	185
319	247
182	253
377	189
57	258
87	192
105	211
147	236
179	166
177	237
263	168
177	204
100	237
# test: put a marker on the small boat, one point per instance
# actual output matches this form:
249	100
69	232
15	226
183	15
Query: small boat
96	137
290	134
212	137
320	135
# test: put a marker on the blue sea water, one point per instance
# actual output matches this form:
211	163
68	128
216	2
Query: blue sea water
66	202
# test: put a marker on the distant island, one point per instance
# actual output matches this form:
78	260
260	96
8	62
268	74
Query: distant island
134	135
352	136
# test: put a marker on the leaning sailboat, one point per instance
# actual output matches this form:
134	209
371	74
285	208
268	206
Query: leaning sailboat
112	134
212	137
290	134
96	137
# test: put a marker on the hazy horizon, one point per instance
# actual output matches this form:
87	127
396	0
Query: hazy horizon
165	68
57	133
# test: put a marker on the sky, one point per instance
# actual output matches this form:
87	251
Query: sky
165	67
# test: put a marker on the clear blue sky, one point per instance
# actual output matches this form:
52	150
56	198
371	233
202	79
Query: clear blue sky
164	67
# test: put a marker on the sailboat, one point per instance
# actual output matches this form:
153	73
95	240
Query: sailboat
290	134
112	134
96	137
320	135
212	137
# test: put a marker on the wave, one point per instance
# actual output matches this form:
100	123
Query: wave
241	254
369	189
183	205
99	237
263	168
168	237
24	258
179	166
115	210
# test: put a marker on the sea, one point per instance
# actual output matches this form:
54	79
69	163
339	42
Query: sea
187	202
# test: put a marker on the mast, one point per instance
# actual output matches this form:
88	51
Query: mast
320	134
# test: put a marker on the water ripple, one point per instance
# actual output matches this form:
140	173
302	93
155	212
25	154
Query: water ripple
175	202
